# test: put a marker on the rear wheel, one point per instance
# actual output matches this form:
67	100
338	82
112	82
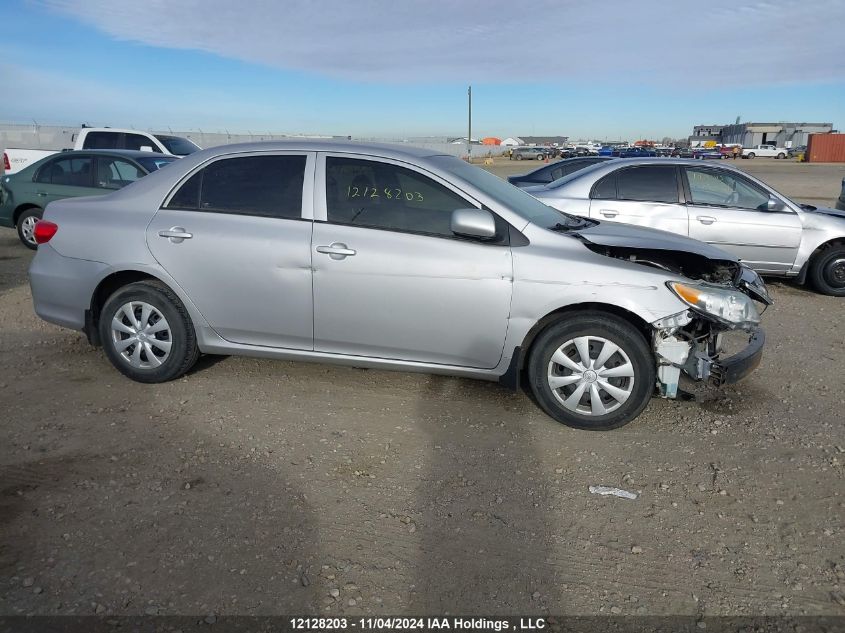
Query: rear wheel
827	271
592	371
147	333
519	157
26	226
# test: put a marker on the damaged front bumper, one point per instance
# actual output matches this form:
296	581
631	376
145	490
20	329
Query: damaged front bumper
692	344
736	367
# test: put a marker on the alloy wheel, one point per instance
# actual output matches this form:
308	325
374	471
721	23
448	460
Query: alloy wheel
28	228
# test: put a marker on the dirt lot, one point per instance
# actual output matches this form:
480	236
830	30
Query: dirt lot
261	487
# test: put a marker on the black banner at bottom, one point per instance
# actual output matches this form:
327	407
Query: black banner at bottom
403	624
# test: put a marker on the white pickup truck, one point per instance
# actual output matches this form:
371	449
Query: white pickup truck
15	159
766	151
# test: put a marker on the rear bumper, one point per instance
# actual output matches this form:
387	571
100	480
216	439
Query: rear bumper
734	368
62	287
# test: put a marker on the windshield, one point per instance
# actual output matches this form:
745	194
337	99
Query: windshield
153	163
514	198
177	145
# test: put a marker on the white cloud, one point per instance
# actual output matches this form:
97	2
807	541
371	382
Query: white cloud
670	44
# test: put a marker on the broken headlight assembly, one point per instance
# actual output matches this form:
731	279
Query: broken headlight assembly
729	307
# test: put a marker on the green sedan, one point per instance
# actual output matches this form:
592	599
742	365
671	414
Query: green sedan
24	195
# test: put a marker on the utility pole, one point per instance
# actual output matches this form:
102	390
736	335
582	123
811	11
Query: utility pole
469	125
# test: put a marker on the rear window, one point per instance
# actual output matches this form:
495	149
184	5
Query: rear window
154	163
177	145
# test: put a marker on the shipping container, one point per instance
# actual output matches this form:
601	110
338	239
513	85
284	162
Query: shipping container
825	148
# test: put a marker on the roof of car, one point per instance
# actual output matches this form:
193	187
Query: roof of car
128	153
323	145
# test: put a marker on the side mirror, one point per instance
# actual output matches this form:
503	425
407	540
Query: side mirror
473	223
775	204
146	148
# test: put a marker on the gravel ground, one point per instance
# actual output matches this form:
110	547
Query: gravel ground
264	487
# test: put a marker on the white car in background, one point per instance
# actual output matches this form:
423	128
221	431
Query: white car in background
15	159
765	151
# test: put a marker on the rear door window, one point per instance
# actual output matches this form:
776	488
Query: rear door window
605	189
266	186
650	183
70	172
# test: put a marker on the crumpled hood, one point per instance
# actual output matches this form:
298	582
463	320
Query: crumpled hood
629	236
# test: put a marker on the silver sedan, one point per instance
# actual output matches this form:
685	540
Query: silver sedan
394	258
719	205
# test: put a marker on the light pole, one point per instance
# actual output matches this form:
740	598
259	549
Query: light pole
469	125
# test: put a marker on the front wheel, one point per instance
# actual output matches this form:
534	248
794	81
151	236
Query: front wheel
750	155
592	371
827	271
781	155
147	333
26	227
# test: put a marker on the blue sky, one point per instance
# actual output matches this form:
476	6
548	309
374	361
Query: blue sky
391	69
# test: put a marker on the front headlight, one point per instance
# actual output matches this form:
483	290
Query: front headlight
728	306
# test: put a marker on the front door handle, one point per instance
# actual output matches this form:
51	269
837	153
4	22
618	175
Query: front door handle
176	234
337	250
609	213
706	219
41	193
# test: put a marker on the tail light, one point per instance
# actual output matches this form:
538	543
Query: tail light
44	231
6	164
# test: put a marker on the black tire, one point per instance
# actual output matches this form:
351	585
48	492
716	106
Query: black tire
519	157
827	271
781	155
541	157
749	155
613	329
181	335
23	223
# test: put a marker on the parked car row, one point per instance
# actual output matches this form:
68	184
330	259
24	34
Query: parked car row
545	151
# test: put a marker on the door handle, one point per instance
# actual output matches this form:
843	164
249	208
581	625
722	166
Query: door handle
706	219
609	213
41	193
176	234
337	250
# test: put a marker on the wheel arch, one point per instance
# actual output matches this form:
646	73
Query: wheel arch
21	209
513	376
117	278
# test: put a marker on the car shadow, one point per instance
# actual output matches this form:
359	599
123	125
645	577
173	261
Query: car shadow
485	532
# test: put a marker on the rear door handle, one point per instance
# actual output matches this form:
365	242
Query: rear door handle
609	213
337	250
176	234
706	219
